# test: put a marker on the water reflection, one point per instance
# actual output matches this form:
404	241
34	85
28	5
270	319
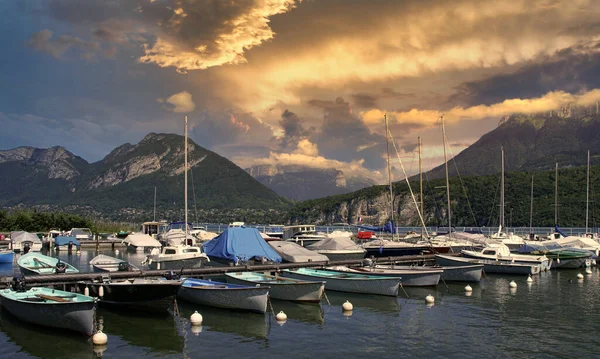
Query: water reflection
375	303
304	312
43	342
135	328
249	325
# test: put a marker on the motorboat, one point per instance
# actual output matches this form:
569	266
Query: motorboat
176	257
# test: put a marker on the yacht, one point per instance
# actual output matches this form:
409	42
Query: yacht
176	257
303	234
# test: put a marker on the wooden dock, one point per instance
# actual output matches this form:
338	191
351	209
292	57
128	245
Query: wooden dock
70	279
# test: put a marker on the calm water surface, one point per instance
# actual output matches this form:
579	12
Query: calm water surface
556	316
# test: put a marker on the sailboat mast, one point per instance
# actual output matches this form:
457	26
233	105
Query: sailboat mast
556	195
154	204
531	208
185	180
587	195
420	181
502	190
387	143
447	180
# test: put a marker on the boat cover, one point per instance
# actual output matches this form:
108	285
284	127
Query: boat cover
295	253
239	243
64	241
22	236
141	240
335	243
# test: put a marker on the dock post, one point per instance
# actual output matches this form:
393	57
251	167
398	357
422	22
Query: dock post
97	243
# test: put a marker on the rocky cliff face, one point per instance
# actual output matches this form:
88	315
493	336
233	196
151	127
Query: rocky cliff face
56	161
156	152
301	183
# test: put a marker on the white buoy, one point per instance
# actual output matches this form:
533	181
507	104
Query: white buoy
579	276
100	338
429	299
468	288
512	284
529	279
86	291
101	292
588	271
196	318
347	306
281	316
116	251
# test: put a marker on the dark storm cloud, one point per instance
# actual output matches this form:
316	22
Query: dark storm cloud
344	136
364	100
570	71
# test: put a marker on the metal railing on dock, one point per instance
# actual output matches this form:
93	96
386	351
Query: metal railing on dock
62	279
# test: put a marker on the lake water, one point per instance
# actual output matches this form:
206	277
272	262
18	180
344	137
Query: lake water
556	316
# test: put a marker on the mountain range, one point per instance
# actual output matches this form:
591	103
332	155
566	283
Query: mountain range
122	184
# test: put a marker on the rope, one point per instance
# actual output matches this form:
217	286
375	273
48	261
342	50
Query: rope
327	299
271	307
404	290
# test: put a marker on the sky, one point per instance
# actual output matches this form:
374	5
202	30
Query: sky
290	82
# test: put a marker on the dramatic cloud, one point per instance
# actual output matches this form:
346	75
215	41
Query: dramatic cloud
180	102
237	27
553	101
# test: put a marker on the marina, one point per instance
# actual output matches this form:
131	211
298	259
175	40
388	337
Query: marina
459	323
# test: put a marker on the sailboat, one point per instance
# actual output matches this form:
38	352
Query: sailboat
386	248
178	256
512	241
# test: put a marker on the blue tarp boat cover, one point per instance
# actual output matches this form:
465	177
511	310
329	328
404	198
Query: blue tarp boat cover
239	243
64	241
387	228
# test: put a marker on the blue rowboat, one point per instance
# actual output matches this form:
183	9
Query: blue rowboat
281	288
348	282
34	263
225	295
51	308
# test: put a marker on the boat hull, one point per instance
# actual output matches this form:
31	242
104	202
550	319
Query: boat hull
139	294
38	264
471	273
74	316
253	299
411	277
305	291
489	266
379	286
177	264
569	263
373	251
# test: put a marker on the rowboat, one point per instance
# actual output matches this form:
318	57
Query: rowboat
225	295
145	294
281	288
104	263
348	282
34	263
51	308
411	276
468	273
489	266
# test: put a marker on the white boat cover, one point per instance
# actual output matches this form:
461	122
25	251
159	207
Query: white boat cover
19	237
335	243
576	242
141	240
294	253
